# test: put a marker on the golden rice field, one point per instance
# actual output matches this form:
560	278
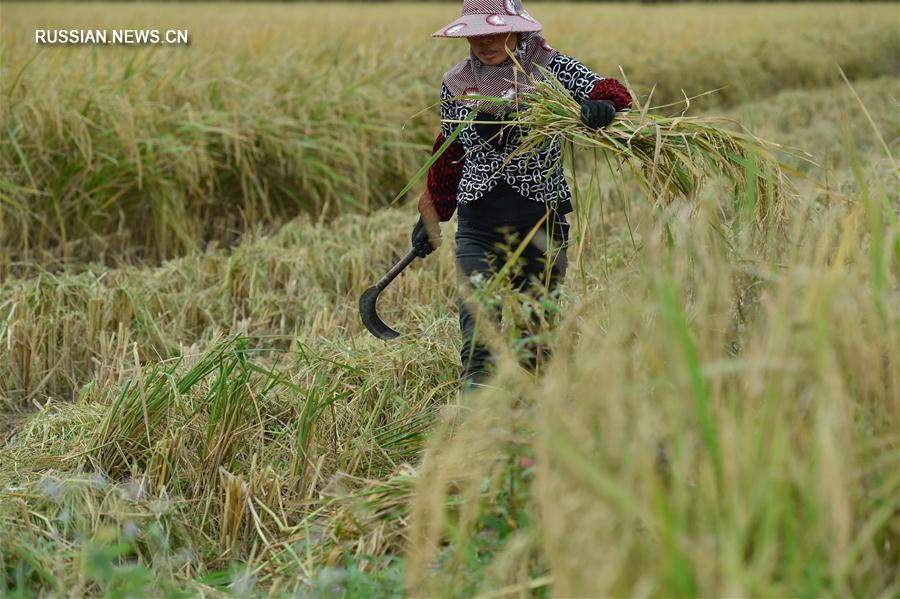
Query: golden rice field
123	154
189	404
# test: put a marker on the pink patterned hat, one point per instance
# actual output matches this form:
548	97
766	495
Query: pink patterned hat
484	17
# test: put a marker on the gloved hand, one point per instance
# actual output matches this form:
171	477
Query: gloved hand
597	113
425	239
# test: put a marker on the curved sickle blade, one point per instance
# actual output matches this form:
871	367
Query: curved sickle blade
370	316
367	310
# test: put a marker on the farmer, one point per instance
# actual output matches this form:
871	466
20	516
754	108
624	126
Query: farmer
500	203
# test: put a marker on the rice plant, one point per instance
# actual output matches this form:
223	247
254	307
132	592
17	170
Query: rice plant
719	415
139	154
682	442
671	156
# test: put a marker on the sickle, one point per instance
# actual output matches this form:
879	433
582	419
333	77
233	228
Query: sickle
367	310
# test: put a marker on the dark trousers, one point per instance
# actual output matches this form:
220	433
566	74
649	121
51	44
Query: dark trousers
487	234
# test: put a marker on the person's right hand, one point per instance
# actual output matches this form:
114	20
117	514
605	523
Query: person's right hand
425	239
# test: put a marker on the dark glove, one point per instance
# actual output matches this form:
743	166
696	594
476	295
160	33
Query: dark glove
424	238
495	134
597	113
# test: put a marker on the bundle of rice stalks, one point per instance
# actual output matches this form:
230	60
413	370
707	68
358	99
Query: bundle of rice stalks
131	427
672	157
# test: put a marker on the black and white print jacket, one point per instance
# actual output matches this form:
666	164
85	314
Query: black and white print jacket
471	167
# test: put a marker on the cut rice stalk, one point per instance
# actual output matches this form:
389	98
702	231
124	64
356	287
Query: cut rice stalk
671	156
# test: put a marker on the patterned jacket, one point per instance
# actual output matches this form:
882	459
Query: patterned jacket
470	167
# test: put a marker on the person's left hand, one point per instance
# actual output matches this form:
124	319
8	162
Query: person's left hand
597	113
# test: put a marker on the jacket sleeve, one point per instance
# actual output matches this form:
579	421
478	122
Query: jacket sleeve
613	92
446	172
584	84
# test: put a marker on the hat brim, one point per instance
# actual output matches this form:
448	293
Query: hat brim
475	25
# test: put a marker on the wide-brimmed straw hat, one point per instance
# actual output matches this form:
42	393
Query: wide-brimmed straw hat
485	17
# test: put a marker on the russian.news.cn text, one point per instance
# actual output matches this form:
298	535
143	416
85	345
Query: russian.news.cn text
127	37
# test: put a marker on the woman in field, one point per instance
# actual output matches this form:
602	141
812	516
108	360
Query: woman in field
498	203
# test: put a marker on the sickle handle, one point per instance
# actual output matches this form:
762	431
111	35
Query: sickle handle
396	270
